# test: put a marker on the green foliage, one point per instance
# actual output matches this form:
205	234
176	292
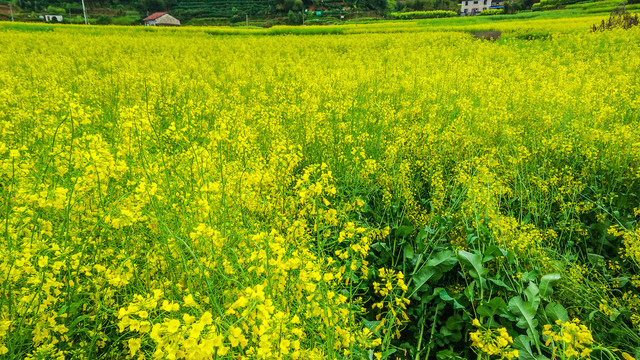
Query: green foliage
294	17
492	12
55	10
77	20
424	5
125	20
104	20
619	18
533	35
439	316
423	14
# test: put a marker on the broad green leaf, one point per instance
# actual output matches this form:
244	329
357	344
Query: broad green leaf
445	260
532	294
556	311
379	246
403	231
473	263
448	355
493	252
523	344
422	276
444	295
546	284
388	353
595	259
623	280
407	251
494	306
455	322
531	275
469	291
501	284
452	335
526	314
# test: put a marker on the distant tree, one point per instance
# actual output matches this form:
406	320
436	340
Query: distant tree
392	5
420	5
150	5
294	17
104	20
287	5
237	15
527	4
375	4
511	6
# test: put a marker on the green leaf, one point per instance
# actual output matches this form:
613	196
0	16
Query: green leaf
421	277
494	306
501	284
546	284
596	260
524	348
523	344
379	246
469	291
388	353
371	325
623	280
556	311
452	335
455	322
493	252
444	295
446	260
526	313
531	275
473	263
62	310
403	231
533	295
448	355
407	251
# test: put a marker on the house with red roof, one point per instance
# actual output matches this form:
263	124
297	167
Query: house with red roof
161	19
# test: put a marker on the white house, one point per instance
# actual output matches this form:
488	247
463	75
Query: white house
161	19
474	7
52	18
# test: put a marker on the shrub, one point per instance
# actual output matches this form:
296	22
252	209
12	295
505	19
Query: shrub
534	35
104	20
423	14
492	12
55	10
619	18
294	18
77	20
487	35
124	20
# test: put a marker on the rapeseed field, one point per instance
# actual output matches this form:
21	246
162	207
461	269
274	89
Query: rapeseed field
389	191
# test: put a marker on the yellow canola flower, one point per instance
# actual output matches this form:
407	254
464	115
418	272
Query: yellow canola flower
170	306
134	346
173	325
189	302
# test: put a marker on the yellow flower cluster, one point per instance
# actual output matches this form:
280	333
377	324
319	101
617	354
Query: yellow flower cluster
493	342
569	340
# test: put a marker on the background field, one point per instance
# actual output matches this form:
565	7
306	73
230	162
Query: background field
385	190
